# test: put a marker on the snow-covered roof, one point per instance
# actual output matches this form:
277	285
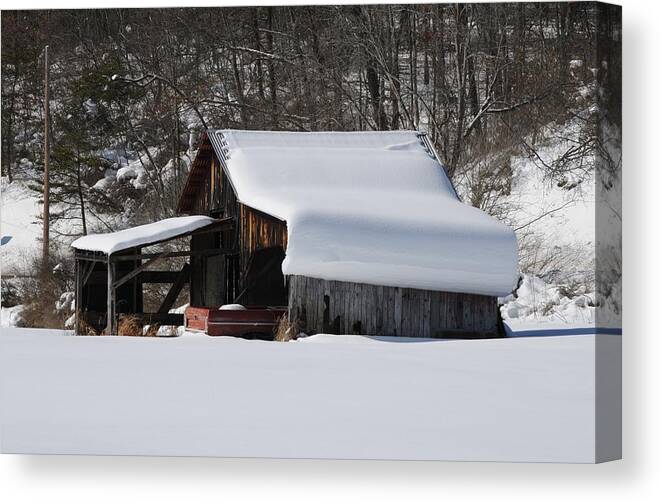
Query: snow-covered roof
369	207
142	235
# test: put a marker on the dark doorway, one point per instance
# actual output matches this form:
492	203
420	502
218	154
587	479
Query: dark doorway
265	283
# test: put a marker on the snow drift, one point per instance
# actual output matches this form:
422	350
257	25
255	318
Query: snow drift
369	207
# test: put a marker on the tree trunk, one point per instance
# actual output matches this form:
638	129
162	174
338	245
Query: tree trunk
258	47
273	87
473	96
413	68
81	198
460	48
374	87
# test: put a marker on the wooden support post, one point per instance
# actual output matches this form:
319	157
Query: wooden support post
135	284
84	270
78	294
109	301
113	269
110	304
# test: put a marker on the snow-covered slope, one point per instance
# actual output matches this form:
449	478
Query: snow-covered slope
20	228
555	214
555	221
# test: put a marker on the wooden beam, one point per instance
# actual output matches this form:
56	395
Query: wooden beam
92	258
153	257
137	270
210	230
161	277
173	293
185	253
87	273
158	276
158	318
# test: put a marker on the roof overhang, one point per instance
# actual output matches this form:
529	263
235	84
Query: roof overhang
104	245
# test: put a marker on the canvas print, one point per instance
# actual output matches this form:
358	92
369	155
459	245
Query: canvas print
358	231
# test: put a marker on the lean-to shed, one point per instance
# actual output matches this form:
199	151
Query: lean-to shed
356	232
112	269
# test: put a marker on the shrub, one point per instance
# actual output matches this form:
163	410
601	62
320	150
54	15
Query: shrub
152	331
84	328
9	294
41	294
286	330
574	287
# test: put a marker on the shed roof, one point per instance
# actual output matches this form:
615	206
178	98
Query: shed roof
143	235
368	207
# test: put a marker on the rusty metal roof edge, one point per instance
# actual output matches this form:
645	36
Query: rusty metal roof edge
430	147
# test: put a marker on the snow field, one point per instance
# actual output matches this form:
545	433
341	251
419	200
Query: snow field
526	399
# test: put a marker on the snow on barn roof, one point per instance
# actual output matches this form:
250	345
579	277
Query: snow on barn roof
369	207
142	235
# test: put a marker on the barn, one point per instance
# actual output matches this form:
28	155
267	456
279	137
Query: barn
355	232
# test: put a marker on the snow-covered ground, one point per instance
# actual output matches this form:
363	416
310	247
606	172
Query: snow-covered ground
20	228
561	211
538	304
517	399
10	316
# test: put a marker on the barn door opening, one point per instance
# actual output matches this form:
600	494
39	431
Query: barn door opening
265	283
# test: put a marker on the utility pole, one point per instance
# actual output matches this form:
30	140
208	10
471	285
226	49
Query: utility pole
46	214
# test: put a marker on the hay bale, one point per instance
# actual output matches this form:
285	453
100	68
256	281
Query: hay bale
130	326
83	327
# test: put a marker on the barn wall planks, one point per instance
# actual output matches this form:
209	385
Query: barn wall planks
324	306
254	230
258	230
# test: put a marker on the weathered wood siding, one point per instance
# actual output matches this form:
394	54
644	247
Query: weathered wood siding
355	308
217	280
207	282
215	195
258	230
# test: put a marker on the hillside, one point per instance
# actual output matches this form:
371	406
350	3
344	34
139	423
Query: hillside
20	227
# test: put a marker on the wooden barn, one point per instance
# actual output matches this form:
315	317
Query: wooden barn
359	233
